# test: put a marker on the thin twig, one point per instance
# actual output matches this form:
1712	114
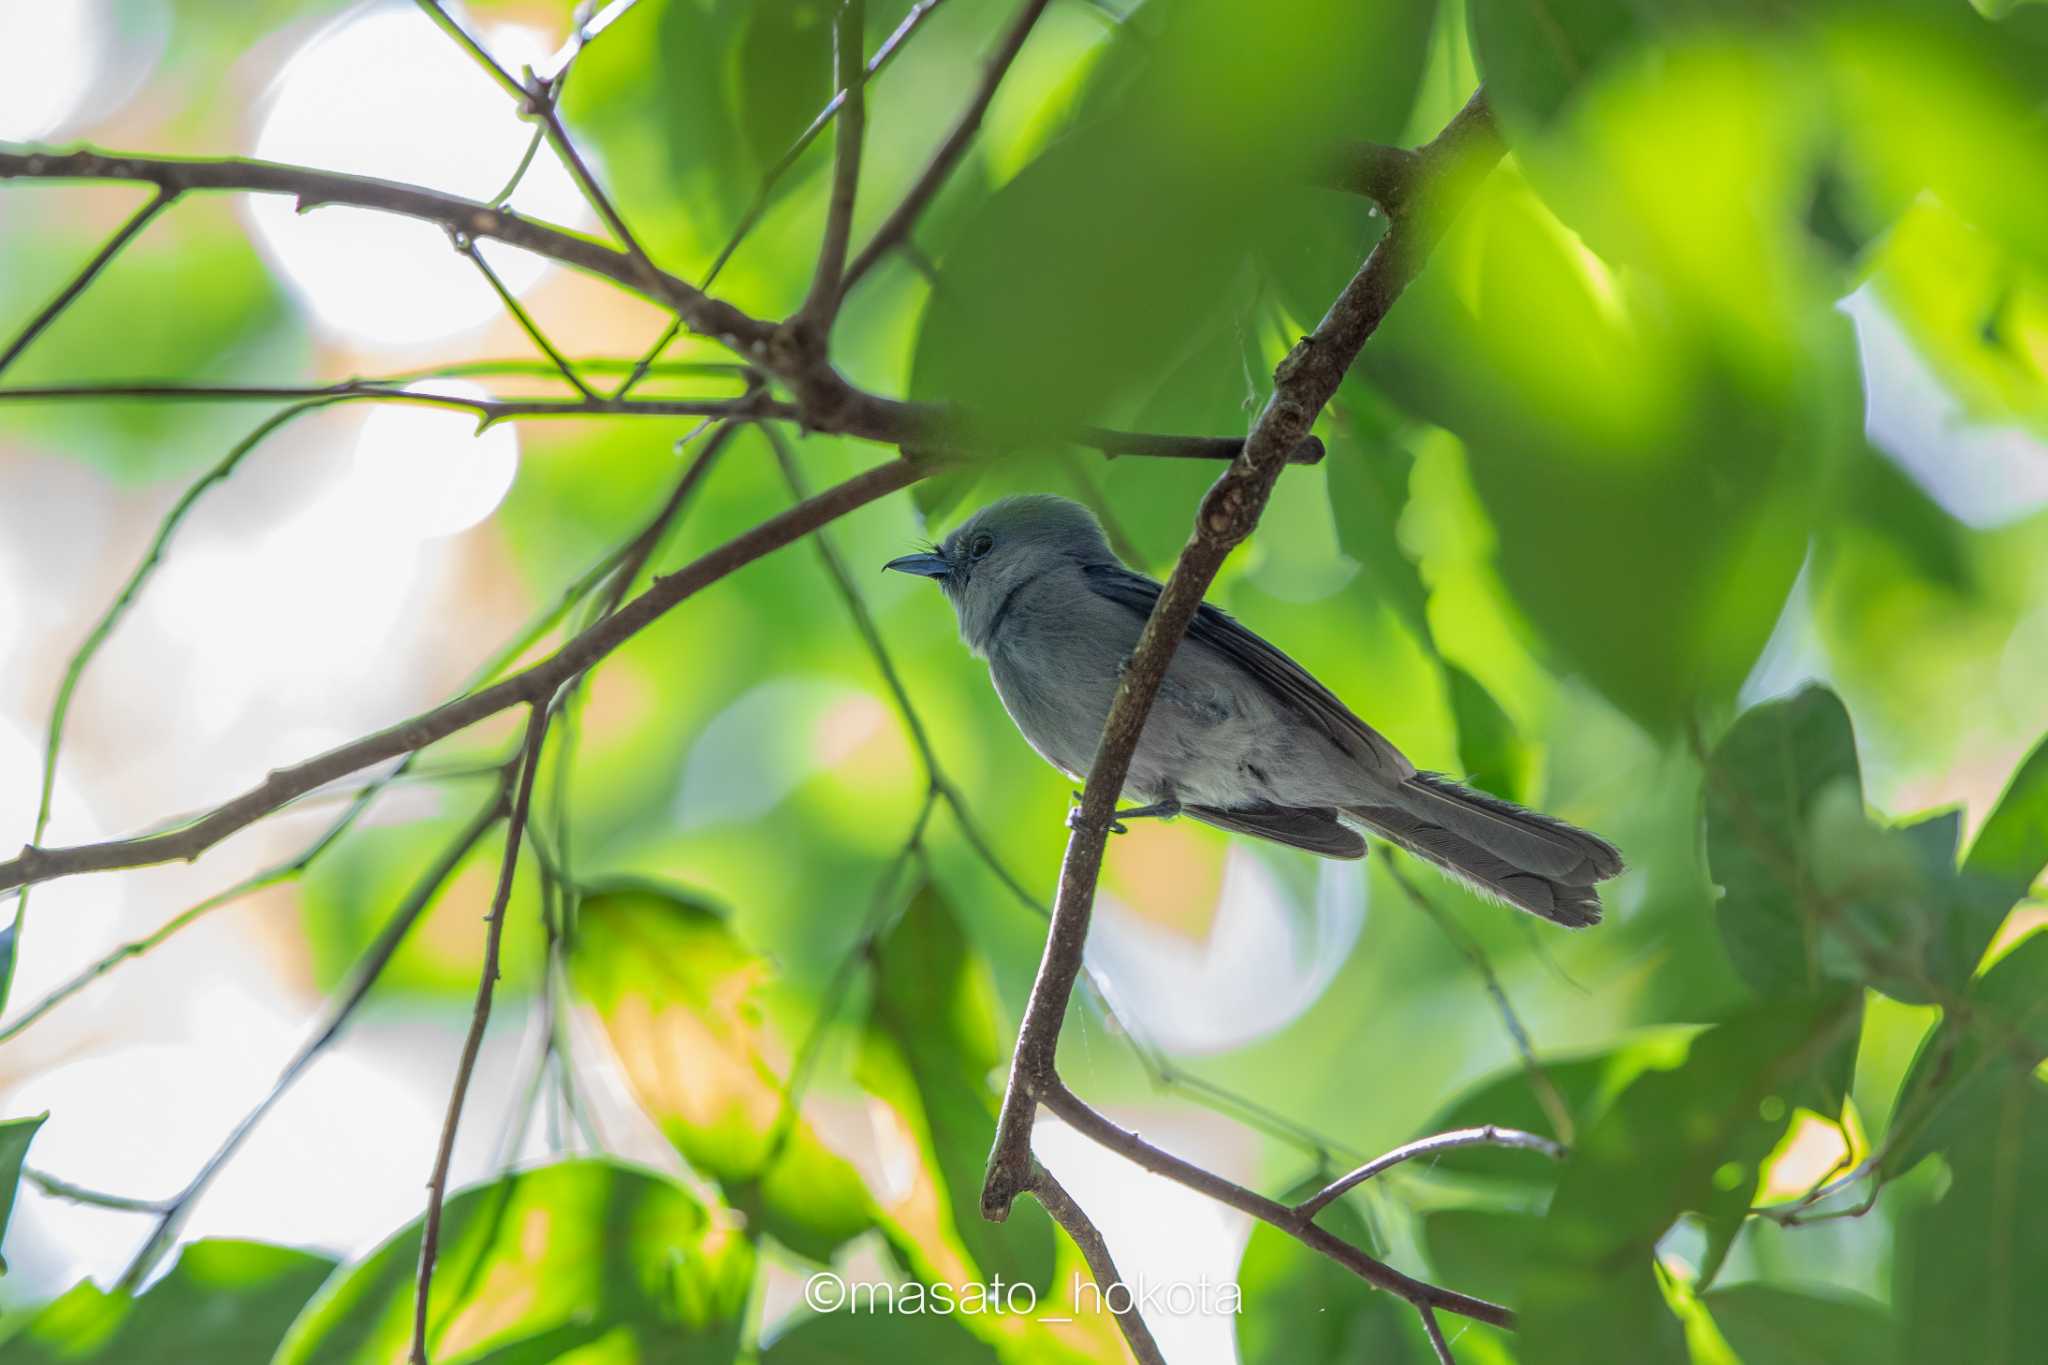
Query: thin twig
896	228
850	78
364	976
160	201
1080	1116
467	247
1545	1090
99	1199
480	1018
1435	1332
911	23
530	685
1489	1135
475	49
1101	1266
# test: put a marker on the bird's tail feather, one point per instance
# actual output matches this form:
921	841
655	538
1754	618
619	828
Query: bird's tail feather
1572	904
1527	839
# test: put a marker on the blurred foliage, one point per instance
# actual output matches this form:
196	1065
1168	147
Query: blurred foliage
1602	528
15	1137
223	1301
579	1261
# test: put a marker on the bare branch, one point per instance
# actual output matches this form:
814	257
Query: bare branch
1083	1118
480	1018
70	292
1385	175
467	247
1486	1136
99	1199
890	46
475	49
1435	1332
530	685
896	228
822	303
367	970
1554	1108
1095	1251
1304	383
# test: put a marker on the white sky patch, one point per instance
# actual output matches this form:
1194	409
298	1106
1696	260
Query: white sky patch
425	472
386	93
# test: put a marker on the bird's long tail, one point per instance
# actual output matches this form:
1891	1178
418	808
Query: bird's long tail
1498	848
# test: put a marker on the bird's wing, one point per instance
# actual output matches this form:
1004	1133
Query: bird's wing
1287	681
1315	828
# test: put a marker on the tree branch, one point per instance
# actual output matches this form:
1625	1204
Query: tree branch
530	685
375	959
480	1018
822	303
1488	1135
1304	383
896	228
1086	1120
1095	1251
79	283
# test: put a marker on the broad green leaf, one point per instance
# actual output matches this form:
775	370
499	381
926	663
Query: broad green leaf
538	1264
933	1053
1763	783
224	1302
1535	54
1967	1272
15	1136
677	992
1493	754
1585	1084
1963	1065
1483	1251
878	1338
1878	498
1769	1324
1898	914
2012	847
782	71
1368	471
1298	1305
1080	280
1688	1139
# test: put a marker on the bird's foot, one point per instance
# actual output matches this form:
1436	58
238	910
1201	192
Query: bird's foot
1158	810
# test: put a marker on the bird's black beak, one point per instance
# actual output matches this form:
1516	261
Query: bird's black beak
923	565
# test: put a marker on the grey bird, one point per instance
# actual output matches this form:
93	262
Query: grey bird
1240	736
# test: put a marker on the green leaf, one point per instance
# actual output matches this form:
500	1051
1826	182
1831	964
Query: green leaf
577	1252
2012	847
1299	1305
1769	1324
1483	1251
782	73
1535	53
1879	498
1368	471
15	1136
8	938
677	992
1491	750
932	1052
1586	1084
1967	1270
878	1338
1684	1140
1963	1066
224	1302
1080	280
1763	784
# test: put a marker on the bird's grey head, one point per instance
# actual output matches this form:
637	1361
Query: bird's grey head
1001	548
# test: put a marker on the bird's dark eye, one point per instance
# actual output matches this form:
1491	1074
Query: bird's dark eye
981	545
